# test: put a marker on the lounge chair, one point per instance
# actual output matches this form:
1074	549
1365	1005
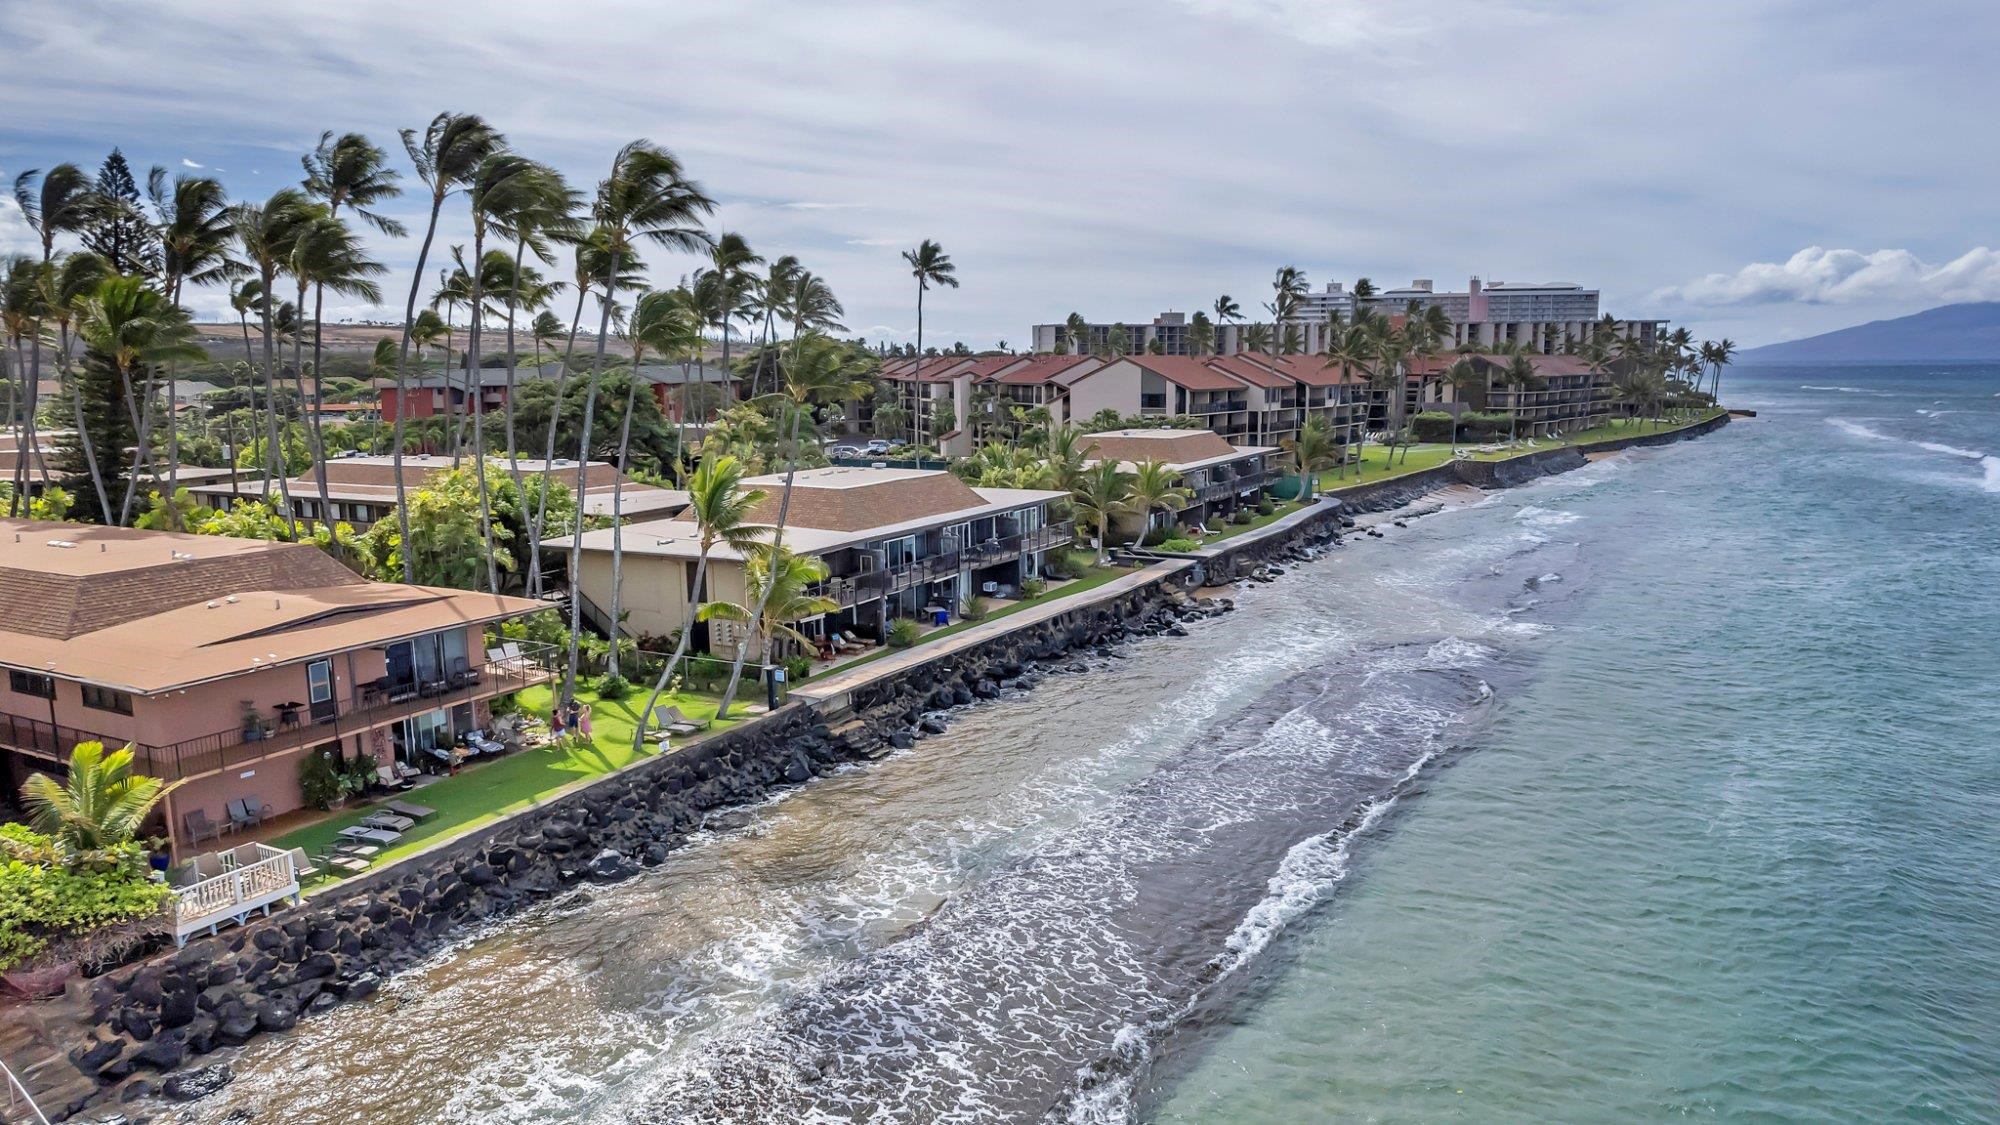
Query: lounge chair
362	833
388	778
331	860
670	720
242	856
476	739
207	865
389	821
406	809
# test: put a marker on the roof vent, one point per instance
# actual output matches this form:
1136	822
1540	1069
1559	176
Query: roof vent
63	543
231	599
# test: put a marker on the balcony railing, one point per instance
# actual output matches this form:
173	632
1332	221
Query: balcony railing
241	888
366	709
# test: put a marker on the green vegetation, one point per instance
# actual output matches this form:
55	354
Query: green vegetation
903	632
1090	578
485	791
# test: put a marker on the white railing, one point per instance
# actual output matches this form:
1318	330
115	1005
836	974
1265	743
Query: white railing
232	895
18	1096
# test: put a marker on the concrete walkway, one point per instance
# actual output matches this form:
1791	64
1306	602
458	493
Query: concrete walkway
833	687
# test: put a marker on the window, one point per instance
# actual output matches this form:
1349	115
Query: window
32	683
105	699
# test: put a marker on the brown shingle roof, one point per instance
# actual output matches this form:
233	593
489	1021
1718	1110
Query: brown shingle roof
1175	447
853	499
1042	368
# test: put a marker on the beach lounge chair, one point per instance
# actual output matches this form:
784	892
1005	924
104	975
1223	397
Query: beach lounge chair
670	720
199	827
331	860
362	833
389	821
388	778
414	812
477	741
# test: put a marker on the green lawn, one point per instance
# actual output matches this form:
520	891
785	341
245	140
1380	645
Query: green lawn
491	789
1091	578
1232	530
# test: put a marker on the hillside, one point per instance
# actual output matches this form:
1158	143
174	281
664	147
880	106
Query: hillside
1968	333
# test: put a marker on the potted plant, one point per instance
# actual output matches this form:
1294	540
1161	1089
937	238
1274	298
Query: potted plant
320	784
253	722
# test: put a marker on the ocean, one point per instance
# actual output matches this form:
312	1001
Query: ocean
1668	787
1733	850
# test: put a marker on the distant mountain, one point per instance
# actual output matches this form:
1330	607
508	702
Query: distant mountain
1968	333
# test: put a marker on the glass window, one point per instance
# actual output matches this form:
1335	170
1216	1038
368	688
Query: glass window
32	683
105	699
319	681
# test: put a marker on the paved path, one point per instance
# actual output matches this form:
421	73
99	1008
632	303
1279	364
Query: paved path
839	683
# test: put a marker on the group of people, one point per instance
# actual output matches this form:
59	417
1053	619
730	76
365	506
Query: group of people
569	716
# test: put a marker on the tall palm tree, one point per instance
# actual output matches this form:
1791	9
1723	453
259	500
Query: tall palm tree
930	265
729	262
1718	355
1227	312
265	233
783	586
1519	375
545	331
1155	488
1256	337
770	300
65	284
1100	494
132	329
62	203
542	213
445	154
647	197
1077	330
720	507
323	254
193	218
1200	334
819	372
99	804
1462	376
351	172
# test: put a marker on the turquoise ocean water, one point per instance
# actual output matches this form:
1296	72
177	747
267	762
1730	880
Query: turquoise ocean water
1730	846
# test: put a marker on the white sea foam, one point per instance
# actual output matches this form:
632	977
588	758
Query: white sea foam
1842	390
1545	517
1988	463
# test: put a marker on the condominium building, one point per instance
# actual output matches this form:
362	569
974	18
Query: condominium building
1222	477
1252	397
223	662
361	490
895	542
458	393
1569	394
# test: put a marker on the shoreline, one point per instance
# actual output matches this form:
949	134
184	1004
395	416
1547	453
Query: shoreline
146	1025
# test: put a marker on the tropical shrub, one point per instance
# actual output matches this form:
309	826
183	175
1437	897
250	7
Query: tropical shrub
1474	426
903	633
1264	506
797	668
54	911
972	608
1433	425
100	803
1034	588
613	687
319	783
1180	546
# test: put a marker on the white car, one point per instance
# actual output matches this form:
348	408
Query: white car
878	446
843	451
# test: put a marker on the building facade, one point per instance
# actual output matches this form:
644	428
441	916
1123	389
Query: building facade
1222	478
223	662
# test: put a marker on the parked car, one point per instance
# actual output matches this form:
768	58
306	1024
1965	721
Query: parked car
877	447
843	451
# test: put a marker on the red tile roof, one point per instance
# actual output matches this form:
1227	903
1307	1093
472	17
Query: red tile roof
1186	371
1252	372
1031	370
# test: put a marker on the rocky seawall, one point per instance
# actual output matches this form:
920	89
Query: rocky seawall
149	1025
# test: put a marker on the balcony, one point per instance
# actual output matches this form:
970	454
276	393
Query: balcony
367	708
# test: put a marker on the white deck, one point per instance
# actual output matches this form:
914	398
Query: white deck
234	894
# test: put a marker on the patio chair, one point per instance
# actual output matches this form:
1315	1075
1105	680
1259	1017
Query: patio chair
199	827
304	870
207	865
243	855
363	833
389	821
477	740
414	812
388	778
243	813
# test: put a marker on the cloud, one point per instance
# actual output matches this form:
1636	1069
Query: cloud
186	163
16	236
809	205
1819	276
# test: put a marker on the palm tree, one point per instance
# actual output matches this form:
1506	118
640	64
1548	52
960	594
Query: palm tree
129	330
770	300
445	154
1077	330
546	330
325	254
1462	376
63	203
783	583
721	509
1717	356
930	265
265	233
1100	495
730	259
351	172
819	372
62	288
194	238
1519	375
1312	450
1200	334
1155	488
99	804
1256	337
646	197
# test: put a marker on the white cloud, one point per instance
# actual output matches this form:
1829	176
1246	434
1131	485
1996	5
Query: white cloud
16	236
1817	275
186	163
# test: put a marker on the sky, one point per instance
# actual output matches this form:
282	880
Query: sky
1757	169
